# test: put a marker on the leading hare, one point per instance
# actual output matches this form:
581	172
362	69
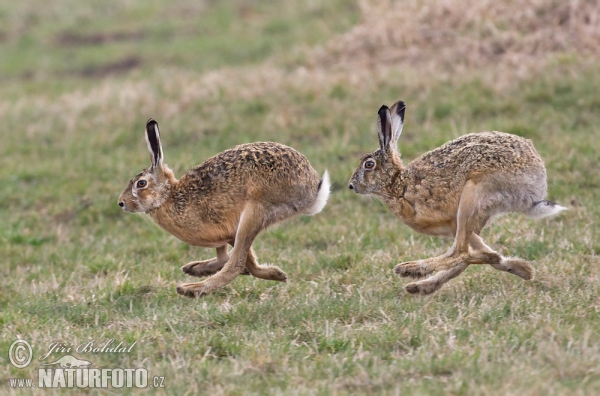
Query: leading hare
227	200
454	191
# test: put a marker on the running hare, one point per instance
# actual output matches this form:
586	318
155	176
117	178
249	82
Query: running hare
455	190
228	199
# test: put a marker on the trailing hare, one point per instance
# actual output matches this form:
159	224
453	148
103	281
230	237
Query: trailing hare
455	190
228	199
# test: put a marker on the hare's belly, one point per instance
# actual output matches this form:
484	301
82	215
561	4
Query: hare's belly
192	230
435	229
202	235
426	219
194	240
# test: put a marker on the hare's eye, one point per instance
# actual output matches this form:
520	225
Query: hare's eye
141	183
369	164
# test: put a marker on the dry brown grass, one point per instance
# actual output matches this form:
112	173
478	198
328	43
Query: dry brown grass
469	32
459	35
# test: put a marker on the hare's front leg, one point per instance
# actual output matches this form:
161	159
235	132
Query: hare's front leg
207	267
456	260
211	266
419	268
433	283
422	268
250	224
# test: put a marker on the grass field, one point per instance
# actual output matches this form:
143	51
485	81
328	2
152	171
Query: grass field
78	82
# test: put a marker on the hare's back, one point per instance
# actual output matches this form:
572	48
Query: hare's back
263	160
483	152
253	166
508	164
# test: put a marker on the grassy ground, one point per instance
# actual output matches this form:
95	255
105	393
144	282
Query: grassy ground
79	81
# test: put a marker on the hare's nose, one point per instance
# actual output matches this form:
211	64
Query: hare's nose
351	186
121	204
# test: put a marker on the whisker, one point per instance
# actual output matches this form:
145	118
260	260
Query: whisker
147	219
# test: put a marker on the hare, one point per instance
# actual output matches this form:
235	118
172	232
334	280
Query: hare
454	191
228	199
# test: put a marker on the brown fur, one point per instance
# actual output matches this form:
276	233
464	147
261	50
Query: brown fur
454	191
227	200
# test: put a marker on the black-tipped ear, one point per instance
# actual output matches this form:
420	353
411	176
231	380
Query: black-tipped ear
397	113
153	140
384	127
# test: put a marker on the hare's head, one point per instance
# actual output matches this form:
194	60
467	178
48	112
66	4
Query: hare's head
377	169
150	188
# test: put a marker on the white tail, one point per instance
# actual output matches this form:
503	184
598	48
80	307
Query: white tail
544	209
322	195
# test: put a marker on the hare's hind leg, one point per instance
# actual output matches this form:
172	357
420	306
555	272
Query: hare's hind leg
264	271
456	260
483	254
250	224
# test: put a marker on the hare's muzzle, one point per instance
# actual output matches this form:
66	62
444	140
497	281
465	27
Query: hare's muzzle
125	206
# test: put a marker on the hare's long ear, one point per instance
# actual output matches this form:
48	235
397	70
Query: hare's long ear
153	140
397	113
384	128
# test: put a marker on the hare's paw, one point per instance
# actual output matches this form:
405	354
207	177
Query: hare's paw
423	287
518	267
275	274
192	290
412	269
201	268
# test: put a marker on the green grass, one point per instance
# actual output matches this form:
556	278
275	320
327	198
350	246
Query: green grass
76	268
